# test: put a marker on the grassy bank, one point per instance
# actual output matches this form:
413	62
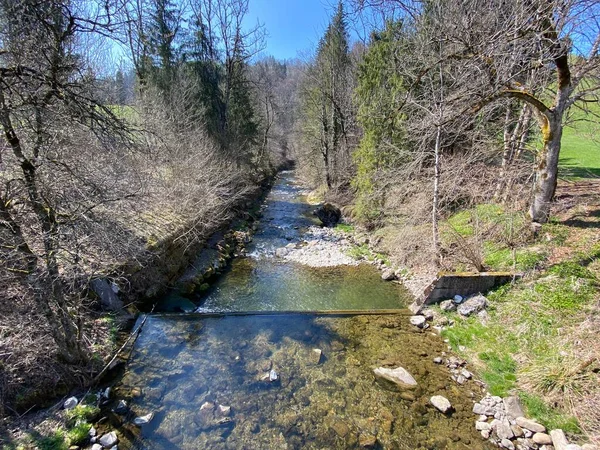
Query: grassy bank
540	337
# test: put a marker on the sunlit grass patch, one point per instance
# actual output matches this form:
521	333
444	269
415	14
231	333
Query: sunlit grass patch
551	418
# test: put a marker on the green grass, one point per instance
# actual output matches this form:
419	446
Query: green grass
345	227
500	374
53	442
78	434
360	251
580	146
82	413
549	417
498	257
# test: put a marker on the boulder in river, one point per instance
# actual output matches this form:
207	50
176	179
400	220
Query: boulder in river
143	420
328	214
441	403
399	376
109	439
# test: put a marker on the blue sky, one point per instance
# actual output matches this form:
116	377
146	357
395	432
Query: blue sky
292	25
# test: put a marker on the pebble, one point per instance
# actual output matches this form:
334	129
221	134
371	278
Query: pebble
530	425
542	439
121	407
273	376
96	447
447	305
224	410
437	360
506	443
441	403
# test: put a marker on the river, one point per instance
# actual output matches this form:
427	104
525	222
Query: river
274	359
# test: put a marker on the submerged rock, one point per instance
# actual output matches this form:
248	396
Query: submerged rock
316	355
224	410
273	376
143	420
70	403
399	376
441	403
121	407
109	439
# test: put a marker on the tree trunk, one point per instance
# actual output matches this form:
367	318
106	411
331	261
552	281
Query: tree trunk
436	195
546	175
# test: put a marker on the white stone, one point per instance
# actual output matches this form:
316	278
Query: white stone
109	439
96	447
458	299
480	426
273	375
224	410
441	403
70	403
542	439
530	425
418	321
143	420
559	440
399	375
506	443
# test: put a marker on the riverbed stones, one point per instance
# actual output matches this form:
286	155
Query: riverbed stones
398	376
502	429
418	321
507	443
316	355
96	447
441	403
559	440
70	403
121	407
530	425
109	439
472	305
367	440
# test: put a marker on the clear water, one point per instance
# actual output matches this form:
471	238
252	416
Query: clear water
184	366
262	282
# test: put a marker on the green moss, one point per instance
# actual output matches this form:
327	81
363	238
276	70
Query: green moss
345	227
82	413
53	442
78	434
549	417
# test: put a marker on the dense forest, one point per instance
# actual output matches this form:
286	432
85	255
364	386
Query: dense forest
125	122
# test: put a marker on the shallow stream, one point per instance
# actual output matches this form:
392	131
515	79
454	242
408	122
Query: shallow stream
291	377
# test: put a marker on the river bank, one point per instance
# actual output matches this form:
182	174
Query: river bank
538	336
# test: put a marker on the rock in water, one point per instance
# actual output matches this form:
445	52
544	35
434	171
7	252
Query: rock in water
121	407
224	410
399	376
109	439
441	403
418	321
70	403
316	355
472	305
143	420
273	376
388	275
96	447
328	214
